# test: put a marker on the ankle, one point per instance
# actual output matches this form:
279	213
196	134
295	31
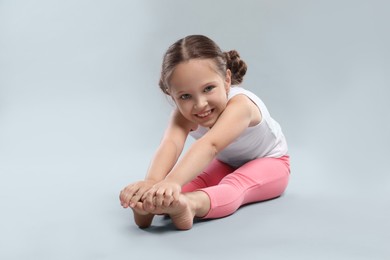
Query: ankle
199	203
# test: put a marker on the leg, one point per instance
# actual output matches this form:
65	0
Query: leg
210	176
258	180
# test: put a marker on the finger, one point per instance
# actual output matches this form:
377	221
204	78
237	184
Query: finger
123	194
168	194
136	197
167	201
128	190
140	194
121	197
146	194
148	201
176	195
124	198
129	197
139	207
159	197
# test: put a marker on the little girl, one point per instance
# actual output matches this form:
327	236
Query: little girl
240	153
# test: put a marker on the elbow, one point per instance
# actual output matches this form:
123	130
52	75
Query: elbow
214	149
209	147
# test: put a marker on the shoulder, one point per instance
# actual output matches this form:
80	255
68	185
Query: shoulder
246	106
178	129
179	121
237	90
240	99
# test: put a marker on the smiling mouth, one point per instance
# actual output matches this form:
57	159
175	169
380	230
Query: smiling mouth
205	114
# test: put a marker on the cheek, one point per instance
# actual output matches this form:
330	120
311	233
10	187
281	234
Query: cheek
223	99
184	107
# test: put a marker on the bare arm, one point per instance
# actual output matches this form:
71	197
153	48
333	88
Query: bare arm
163	161
170	148
237	116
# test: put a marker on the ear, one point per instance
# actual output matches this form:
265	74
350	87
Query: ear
228	80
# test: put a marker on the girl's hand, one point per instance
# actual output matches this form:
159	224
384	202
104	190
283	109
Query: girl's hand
132	194
161	194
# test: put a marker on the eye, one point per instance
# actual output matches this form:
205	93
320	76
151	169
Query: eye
185	96
208	88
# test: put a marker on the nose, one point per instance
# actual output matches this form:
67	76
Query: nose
200	103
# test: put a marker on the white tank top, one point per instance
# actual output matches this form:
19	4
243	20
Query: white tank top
262	140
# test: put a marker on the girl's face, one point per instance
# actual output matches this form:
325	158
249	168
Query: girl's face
200	93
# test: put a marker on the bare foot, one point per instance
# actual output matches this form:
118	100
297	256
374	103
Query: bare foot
181	212
142	218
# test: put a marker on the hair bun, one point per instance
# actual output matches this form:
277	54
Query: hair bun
237	66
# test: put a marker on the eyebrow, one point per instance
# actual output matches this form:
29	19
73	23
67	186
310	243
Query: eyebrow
180	93
203	86
209	83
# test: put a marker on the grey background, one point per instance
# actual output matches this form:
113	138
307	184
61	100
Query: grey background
81	115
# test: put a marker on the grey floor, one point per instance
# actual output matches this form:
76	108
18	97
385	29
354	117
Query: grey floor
81	115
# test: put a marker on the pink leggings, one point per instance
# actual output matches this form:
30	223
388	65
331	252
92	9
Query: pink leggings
229	188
